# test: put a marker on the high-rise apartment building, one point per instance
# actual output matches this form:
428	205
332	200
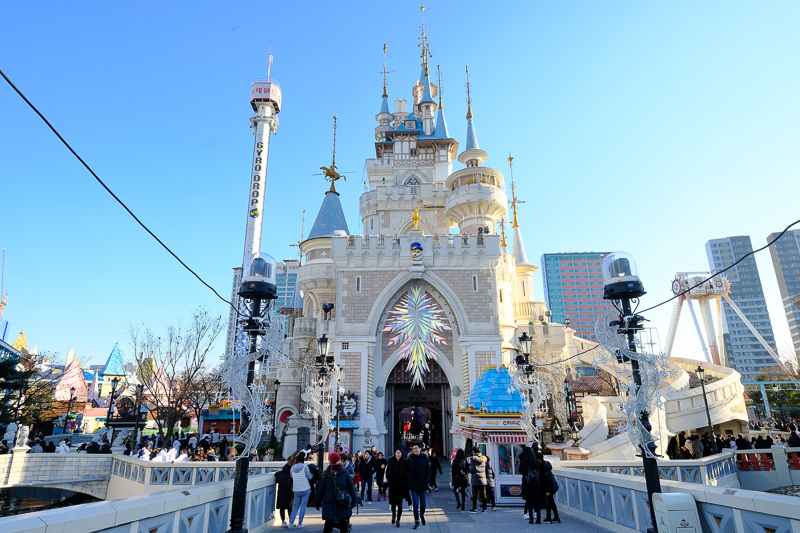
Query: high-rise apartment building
743	351
573	289
786	260
286	277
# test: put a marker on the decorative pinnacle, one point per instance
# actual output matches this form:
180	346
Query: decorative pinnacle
423	42
439	76
503	232
384	71
330	172
469	97
514	200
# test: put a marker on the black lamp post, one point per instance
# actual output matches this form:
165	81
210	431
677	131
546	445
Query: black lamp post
139	394
701	374
258	283
524	363
273	439
569	397
327	363
621	284
110	412
69	407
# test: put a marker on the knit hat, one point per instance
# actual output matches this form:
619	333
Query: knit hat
334	458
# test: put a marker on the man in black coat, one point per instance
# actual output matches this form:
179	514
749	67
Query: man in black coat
367	468
419	473
530	491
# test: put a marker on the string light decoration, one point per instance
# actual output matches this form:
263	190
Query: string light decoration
417	322
319	392
532	388
654	369
252	399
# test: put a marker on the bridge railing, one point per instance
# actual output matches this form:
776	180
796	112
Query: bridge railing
717	470
766	469
134	476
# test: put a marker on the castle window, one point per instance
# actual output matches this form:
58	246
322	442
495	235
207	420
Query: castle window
501	295
358	283
474	283
523	288
345	346
413	181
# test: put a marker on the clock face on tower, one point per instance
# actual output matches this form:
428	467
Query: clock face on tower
676	287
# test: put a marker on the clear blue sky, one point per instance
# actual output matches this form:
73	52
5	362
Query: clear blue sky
647	127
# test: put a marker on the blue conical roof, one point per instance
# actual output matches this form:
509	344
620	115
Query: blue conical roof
441	126
504	396
482	386
426	88
472	138
385	105
114	365
330	221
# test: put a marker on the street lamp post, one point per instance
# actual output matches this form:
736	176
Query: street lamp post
621	284
701	373
258	283
326	364
110	412
273	439
524	363
139	394
69	407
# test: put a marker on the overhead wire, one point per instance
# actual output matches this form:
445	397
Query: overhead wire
96	177
745	256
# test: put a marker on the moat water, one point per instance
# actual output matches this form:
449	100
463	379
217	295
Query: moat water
19	500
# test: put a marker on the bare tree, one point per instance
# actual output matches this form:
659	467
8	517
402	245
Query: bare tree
181	360
202	392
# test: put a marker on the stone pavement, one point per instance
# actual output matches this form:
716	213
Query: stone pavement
442	517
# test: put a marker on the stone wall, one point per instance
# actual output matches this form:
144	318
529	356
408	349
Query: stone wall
356	306
479	306
85	473
351	363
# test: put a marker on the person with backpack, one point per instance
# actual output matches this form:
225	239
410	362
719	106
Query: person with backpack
397	482
549	488
477	470
529	468
336	496
459	471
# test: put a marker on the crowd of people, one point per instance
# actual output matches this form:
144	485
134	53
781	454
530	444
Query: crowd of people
188	447
403	481
683	446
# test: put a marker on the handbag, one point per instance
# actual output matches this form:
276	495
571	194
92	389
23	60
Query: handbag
344	499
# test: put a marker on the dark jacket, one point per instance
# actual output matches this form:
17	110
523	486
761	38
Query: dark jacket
283	478
460	471
794	441
436	466
528	461
367	468
419	471
329	486
380	469
477	470
397	476
548	480
489	474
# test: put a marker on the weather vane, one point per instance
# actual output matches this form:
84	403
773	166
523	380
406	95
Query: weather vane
423	42
439	77
469	96
385	72
330	172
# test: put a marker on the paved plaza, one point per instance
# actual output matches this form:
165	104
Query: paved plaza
442	517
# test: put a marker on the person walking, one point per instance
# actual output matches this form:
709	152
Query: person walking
477	471
336	495
397	482
529	468
459	471
283	478
367	470
549	487
301	488
419	473
436	466
380	475
490	485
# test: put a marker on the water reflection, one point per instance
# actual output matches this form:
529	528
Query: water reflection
18	500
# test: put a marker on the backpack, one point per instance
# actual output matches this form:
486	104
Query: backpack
551	482
532	479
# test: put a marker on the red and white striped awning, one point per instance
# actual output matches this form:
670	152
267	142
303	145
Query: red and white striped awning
515	437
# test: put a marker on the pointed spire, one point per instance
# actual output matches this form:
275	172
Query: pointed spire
441	124
472	137
518	251
503	232
114	365
330	172
385	95
426	53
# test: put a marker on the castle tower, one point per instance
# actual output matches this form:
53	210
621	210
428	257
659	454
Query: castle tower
476	201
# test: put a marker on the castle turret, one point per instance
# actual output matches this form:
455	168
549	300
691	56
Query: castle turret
476	201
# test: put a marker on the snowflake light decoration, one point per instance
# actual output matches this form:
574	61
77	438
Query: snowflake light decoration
417	322
252	399
318	394
654	370
536	395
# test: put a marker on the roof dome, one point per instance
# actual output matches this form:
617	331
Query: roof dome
482	386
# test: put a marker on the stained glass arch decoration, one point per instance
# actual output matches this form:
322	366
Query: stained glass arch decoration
417	322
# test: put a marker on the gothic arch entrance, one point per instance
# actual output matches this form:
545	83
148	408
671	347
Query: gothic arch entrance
434	398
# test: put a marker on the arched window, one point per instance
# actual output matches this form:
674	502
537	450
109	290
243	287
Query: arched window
413	181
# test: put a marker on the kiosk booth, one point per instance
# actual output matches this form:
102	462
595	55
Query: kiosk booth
492	421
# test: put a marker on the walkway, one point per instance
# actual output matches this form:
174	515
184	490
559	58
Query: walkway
442	517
